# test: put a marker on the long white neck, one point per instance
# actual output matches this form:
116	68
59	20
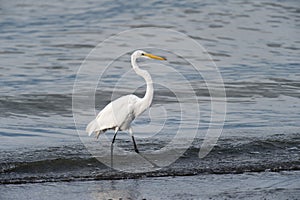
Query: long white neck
147	99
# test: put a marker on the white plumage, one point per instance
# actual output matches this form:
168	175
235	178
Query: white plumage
118	113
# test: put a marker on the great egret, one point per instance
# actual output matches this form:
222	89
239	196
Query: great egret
119	113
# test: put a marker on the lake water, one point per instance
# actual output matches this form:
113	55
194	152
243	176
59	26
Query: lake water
255	45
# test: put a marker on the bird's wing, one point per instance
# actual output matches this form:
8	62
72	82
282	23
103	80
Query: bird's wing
116	113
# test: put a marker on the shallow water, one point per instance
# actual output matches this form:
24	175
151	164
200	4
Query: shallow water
254	44
238	186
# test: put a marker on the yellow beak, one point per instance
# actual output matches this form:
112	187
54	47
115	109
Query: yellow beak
154	56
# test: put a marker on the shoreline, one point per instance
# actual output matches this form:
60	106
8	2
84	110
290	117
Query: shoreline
268	185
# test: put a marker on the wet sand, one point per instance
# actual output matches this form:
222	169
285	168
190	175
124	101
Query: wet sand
266	185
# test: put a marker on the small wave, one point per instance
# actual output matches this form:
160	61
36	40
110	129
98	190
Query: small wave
229	156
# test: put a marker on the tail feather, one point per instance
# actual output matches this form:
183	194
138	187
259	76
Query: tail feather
92	127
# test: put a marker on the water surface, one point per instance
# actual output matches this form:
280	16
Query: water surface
254	44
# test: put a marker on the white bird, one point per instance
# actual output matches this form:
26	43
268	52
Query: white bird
119	113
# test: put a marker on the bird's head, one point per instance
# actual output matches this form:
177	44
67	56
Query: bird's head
143	54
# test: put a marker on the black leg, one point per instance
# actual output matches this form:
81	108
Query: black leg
112	155
113	141
112	148
134	144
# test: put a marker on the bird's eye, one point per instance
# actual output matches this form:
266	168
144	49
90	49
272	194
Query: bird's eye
142	54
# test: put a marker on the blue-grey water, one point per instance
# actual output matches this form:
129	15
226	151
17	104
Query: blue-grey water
255	45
